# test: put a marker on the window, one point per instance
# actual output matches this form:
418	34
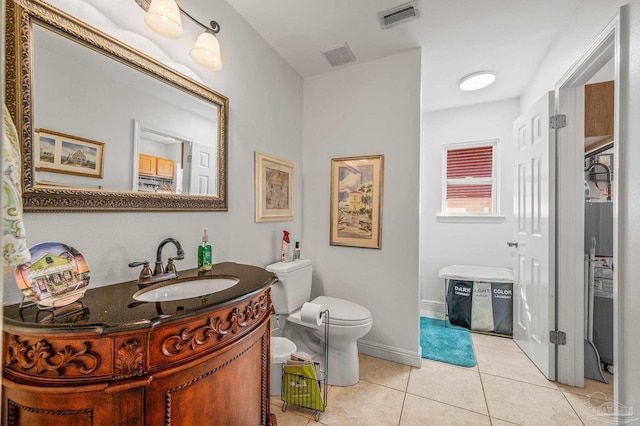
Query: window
470	181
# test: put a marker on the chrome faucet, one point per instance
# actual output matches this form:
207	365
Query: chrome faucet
159	273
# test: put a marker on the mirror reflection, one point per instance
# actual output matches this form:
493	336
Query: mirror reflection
155	137
172	163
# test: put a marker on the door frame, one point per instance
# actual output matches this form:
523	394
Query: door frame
569	96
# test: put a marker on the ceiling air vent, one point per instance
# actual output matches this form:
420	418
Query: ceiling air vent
339	55
399	14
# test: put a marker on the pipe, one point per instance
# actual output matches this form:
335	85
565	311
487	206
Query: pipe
608	170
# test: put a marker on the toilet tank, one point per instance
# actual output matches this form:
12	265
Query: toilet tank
294	286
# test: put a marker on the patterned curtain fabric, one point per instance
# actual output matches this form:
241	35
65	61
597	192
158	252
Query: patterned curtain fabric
14	246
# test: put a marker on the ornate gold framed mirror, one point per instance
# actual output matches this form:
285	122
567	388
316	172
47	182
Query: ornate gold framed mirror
105	127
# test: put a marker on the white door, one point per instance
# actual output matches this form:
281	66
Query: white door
534	291
203	177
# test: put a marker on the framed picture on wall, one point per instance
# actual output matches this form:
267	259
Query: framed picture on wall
61	153
274	188
356	201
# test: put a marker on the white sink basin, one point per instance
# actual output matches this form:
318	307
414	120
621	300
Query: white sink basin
184	289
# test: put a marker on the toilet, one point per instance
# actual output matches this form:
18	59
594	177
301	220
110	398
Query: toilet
348	321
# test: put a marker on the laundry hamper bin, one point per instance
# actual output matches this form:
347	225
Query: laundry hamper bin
479	298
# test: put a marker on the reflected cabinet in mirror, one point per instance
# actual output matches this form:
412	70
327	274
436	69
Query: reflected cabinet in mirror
105	127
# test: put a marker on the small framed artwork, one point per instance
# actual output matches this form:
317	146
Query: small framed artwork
356	201
274	188
61	153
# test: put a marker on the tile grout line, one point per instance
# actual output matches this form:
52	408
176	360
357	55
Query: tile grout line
522	381
484	393
518	351
404	399
572	407
384	386
447	404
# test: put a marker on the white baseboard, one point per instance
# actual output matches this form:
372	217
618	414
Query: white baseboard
432	309
390	353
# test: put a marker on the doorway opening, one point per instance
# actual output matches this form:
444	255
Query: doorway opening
587	201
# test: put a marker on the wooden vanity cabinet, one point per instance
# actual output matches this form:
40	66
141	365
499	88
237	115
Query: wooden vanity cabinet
207	369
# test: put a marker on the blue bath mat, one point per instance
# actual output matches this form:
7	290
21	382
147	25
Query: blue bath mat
448	344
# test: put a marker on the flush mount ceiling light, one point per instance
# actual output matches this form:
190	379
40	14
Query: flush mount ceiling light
163	17
477	80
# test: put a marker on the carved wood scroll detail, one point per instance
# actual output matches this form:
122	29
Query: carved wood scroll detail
217	328
43	358
129	360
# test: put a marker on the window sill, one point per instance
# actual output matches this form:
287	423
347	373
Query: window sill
471	218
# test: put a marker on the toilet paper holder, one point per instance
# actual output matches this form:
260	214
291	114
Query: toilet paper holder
304	385
312	313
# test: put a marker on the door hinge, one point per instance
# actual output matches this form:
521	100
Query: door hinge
558	121
557	337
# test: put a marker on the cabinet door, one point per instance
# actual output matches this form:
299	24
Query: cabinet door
146	165
164	168
228	388
75	406
598	109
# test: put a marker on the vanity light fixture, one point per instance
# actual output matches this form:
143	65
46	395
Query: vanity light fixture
206	51
163	17
477	80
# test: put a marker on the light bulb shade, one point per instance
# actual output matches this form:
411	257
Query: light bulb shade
477	81
206	51
163	17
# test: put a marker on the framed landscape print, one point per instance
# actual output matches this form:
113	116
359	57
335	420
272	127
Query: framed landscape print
274	188
60	153
356	201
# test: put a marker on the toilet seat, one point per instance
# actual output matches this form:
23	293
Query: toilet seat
341	312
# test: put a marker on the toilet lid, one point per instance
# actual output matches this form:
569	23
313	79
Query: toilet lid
281	348
343	312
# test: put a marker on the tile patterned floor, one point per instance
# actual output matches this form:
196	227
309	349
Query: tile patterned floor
504	388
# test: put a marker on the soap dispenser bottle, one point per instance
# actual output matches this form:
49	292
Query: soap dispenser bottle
204	253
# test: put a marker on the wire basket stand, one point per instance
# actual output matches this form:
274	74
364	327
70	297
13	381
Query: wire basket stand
305	385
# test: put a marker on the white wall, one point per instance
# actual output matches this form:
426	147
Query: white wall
369	108
445	244
265	114
588	22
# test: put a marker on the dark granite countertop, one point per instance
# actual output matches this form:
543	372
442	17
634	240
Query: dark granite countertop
112	308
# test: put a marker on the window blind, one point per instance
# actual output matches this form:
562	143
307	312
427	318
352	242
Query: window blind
469	180
470	163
